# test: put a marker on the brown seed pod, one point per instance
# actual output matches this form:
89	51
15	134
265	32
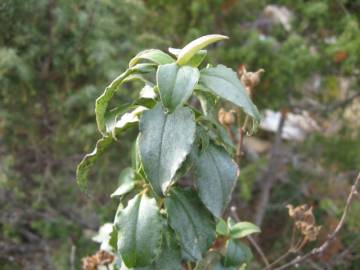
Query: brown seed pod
226	118
221	116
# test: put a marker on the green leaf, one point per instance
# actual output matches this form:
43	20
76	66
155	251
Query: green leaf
242	229
111	116
113	239
209	261
192	223
165	141
216	177
217	133
195	60
222	227
224	82
147	92
194	46
236	253
139	228
126	182
219	266
176	84
153	55
147	97
212	261
88	161
207	102
135	155
202	141
231	222
126	121
102	102
169	258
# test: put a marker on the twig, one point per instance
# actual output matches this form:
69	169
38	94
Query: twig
325	110
251	239
72	256
282	257
239	142
314	265
332	236
341	104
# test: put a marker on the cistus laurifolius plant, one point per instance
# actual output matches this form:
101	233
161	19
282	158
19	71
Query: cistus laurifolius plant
163	221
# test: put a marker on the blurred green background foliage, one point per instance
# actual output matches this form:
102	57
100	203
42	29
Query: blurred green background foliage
57	56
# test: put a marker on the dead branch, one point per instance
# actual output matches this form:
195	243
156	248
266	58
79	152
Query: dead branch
332	236
251	239
269	177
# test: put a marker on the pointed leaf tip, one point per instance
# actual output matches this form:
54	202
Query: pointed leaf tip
242	229
224	82
153	55
194	46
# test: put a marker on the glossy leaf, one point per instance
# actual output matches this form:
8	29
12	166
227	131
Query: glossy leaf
195	60
152	55
216	177
236	253
191	221
126	182
224	82
231	222
219	266
194	46
102	102
217	133
88	161
135	155
147	92
242	229
169	258
202	140
113	239
165	141
112	115
176	84
222	227
207	102
126	121
209	261
139	228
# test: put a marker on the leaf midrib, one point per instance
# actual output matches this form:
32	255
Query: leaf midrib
173	87
242	93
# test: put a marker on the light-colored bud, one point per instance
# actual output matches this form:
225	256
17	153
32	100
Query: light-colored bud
229	118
